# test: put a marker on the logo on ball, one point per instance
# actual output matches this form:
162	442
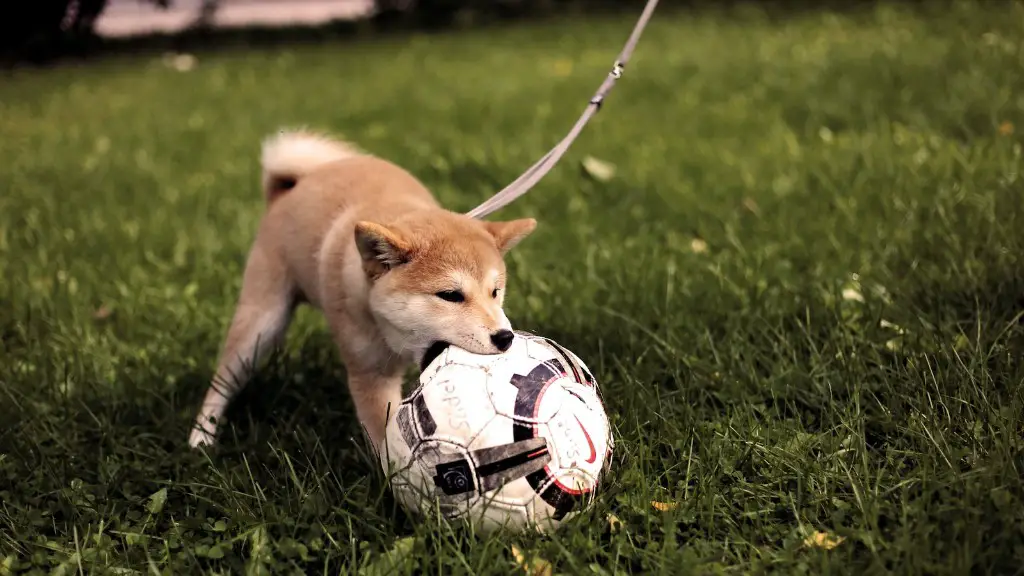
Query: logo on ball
454	477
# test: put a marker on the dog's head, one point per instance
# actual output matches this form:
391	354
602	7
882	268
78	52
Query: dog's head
440	277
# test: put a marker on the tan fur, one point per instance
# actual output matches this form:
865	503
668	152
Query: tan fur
366	243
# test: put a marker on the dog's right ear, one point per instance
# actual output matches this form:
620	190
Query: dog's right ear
509	233
381	248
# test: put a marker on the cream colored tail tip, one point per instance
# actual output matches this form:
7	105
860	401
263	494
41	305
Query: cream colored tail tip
298	151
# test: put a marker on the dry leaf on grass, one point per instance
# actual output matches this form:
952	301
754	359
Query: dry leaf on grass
664	506
598	169
852	295
852	289
891	325
518	555
534	566
1006	128
698	246
822	540
614	524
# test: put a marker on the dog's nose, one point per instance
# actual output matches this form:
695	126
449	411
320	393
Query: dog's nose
503	339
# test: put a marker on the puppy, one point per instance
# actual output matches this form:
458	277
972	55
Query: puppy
367	244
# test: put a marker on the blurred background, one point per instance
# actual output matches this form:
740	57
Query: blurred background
44	30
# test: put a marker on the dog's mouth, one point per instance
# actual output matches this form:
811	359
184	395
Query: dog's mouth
433	351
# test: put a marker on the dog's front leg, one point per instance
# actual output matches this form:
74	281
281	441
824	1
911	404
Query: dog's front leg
376	397
262	316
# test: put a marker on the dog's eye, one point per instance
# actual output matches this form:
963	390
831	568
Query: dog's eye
494	293
451	296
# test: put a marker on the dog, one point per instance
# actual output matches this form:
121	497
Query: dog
392	271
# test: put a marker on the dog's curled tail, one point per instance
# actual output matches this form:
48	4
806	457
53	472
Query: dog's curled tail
291	154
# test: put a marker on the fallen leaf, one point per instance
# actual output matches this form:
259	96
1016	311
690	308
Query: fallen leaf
895	344
664	506
102	313
892	326
614	524
852	294
1006	128
535	566
598	169
157	501
698	246
822	540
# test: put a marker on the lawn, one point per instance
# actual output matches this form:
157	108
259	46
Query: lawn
801	292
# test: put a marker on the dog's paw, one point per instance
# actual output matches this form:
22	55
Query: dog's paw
202	435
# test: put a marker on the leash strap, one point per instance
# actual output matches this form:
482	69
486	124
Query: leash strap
534	173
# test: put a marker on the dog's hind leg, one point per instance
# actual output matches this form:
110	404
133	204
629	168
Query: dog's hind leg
264	311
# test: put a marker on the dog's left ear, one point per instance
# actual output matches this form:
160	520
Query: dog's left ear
382	248
508	234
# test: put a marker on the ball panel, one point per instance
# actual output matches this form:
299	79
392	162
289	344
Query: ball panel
579	436
537	350
518	492
519	396
560	498
444	472
580	371
491	515
456	407
424	419
502	396
496	433
406	425
501	456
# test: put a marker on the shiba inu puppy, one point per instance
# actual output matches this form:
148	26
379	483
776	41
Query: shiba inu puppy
392	271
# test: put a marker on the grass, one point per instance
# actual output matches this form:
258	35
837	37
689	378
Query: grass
801	291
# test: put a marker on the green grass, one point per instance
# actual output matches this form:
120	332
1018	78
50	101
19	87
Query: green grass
818	158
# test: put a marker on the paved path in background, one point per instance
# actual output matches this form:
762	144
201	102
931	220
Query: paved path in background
136	17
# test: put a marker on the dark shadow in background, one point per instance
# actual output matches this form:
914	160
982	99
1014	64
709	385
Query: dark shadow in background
46	32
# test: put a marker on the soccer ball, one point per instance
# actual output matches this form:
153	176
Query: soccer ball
515	440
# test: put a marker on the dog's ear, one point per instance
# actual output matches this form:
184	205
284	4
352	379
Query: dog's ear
509	233
381	248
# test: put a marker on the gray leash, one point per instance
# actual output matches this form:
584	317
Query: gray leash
534	173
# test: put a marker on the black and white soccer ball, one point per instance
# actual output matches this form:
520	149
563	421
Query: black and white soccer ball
515	440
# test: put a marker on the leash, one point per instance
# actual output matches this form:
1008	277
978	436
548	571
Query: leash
534	173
